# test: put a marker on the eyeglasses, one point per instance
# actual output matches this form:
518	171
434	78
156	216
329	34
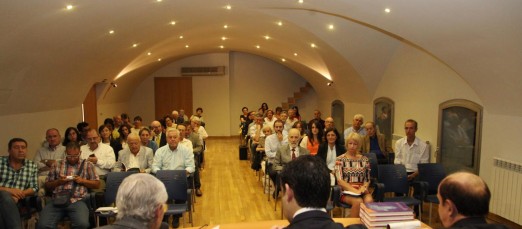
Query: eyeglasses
72	156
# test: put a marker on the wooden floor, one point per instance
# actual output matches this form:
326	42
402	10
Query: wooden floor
232	192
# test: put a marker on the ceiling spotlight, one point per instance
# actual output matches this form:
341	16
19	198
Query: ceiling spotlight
221	47
69	7
228	7
223	38
181	37
295	54
172	22
280	23
186	46
329	83
283	59
149	53
134	45
158	0
312	45
225	26
267	37
330	27
113	84
159	59
387	10
111	31
301	1
258	47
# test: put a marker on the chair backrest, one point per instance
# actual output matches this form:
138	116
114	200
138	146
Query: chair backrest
374	172
433	174
394	178
175	182
112	184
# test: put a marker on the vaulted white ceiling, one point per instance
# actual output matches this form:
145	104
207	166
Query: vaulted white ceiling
50	56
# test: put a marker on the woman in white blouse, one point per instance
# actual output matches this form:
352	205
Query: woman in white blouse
332	148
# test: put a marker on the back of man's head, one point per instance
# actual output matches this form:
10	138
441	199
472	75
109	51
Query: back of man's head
468	192
139	196
309	179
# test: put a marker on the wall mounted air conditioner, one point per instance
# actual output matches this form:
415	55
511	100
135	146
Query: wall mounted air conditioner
203	71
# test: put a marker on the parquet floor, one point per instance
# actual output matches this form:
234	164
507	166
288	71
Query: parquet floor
232	192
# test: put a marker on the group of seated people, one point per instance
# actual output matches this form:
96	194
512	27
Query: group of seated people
283	137
78	166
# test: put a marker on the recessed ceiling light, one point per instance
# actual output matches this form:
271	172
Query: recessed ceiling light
295	54
267	37
301	1
159	59
312	45
223	38
158	0
221	47
181	37
149	53
258	47
387	10
280	23
283	59
331	27
69	7
186	46
225	26
134	45
111	31
228	7
172	22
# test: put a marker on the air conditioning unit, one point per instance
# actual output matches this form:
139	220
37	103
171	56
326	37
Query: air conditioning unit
203	71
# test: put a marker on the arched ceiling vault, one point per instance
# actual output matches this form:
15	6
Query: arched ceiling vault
46	46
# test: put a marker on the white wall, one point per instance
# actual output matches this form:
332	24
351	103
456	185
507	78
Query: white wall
32	127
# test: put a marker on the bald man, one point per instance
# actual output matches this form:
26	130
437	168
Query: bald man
464	202
158	135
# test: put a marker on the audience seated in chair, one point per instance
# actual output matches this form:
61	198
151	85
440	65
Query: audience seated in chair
145	138
135	156
64	176
47	155
106	138
352	171
158	132
313	138
174	156
356	127
411	150
188	143
141	202
101	155
332	148
374	142
12	192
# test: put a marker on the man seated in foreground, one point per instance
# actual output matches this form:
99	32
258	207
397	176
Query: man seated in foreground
65	176
464	202
17	181
305	182
141	203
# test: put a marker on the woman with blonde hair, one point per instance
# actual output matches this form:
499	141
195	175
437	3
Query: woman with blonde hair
352	172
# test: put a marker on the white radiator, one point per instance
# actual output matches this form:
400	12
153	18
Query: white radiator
506	190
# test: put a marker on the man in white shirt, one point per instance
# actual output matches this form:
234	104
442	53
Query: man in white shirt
47	155
411	150
290	120
136	155
274	141
187	143
356	127
101	155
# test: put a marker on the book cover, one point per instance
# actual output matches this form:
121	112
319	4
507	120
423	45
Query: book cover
386	218
386	209
383	224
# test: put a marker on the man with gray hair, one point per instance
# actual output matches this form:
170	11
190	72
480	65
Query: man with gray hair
140	201
356	127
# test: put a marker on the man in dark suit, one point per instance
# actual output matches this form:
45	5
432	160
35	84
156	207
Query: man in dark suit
159	135
464	202
305	183
375	142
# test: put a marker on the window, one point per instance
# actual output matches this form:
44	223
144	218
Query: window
460	124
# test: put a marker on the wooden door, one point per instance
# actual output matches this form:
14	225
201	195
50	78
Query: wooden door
172	93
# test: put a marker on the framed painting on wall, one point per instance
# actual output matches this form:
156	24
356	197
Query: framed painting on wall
383	110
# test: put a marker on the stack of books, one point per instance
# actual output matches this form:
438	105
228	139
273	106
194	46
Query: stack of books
382	214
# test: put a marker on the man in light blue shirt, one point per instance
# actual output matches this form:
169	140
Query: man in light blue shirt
173	156
356	127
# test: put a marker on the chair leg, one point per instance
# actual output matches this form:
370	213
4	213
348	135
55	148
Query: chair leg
429	220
